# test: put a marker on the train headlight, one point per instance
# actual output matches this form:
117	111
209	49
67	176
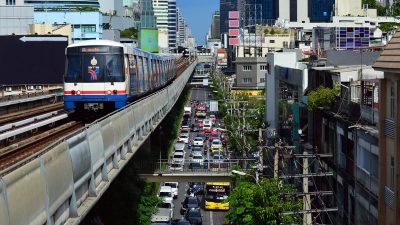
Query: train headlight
109	92
115	92
73	92
78	92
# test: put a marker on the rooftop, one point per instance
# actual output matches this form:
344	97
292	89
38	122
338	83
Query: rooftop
389	60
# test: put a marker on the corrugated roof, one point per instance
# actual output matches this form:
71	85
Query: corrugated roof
390	57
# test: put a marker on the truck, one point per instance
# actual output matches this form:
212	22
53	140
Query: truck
187	111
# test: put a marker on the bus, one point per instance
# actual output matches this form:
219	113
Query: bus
216	194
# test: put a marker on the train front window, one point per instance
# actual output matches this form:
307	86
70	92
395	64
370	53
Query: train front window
93	67
114	68
73	69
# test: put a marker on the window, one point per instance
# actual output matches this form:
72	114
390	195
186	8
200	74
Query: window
263	67
391	179
392	102
262	80
271	41
246	68
10	2
247	80
88	28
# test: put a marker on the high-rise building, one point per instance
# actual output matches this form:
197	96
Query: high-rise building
224	8
172	24
215	22
181	27
147	18
294	10
61	4
320	10
160	8
264	12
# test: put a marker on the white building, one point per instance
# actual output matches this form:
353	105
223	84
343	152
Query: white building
172	24
15	17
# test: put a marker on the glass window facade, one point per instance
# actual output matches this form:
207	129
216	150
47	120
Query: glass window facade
320	10
224	8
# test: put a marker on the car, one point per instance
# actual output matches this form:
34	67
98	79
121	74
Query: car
198	158
216	145
179	145
187	111
213	118
196	188
201	113
174	186
218	158
214	135
176	166
194	128
166	193
178	157
185	125
182	221
199	123
207	126
162	217
167	205
195	166
198	141
194	217
190	202
196	150
184	136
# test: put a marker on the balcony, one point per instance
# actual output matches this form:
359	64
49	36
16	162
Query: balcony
370	114
368	181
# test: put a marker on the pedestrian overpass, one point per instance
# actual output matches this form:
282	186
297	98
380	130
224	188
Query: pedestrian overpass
161	171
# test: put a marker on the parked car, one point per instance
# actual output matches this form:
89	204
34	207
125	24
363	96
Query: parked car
198	141
194	217
174	186
167	205
190	202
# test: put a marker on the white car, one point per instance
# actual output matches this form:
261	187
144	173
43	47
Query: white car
178	157
166	193
167	205
174	186
176	166
216	143
179	146
198	141
184	137
198	158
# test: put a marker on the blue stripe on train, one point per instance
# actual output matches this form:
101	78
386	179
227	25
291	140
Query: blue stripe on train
69	100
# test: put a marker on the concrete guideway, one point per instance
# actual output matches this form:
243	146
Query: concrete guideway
63	182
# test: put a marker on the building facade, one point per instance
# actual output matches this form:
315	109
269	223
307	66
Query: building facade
320	10
15	17
224	8
215	23
250	72
172	24
62	4
147	18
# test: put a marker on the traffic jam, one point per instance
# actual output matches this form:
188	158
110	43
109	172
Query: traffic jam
200	145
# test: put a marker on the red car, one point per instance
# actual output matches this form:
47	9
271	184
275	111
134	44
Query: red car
199	123
214	134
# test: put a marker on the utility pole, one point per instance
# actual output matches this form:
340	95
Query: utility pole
306	198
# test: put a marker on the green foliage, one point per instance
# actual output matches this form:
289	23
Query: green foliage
253	204
387	26
272	32
266	31
147	202
322	97
130	33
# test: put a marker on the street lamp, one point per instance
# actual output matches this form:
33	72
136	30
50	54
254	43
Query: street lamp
246	174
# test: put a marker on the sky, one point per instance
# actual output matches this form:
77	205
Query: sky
197	14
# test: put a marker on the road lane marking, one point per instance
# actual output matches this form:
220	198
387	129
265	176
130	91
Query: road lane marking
211	218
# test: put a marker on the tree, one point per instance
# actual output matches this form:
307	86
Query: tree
321	97
146	207
130	32
253	204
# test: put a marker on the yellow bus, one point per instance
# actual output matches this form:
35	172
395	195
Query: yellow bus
215	195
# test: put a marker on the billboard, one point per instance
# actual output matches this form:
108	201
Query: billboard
149	40
233	41
32	59
233	23
234	32
233	14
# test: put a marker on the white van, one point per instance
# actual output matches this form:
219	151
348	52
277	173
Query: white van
187	111
207	125
163	216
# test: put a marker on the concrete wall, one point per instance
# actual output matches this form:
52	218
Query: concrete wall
15	19
255	74
61	185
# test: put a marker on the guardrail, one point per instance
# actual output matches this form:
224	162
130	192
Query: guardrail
62	183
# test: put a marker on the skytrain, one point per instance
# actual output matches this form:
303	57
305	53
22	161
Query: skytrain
103	74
